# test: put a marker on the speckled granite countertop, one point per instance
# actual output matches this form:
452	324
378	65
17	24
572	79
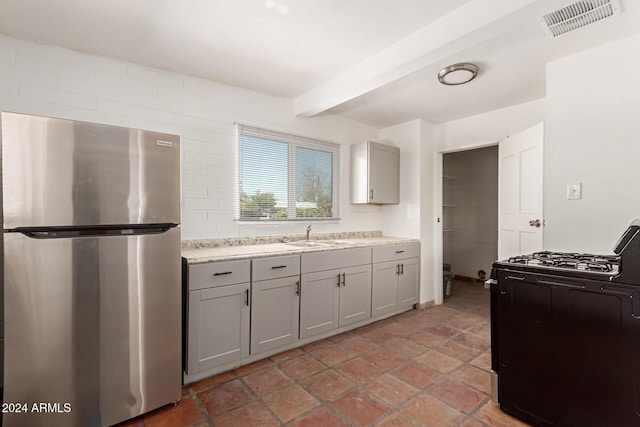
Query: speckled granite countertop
201	251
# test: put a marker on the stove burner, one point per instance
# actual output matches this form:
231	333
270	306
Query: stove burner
588	266
569	260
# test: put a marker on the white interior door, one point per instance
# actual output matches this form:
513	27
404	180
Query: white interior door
520	219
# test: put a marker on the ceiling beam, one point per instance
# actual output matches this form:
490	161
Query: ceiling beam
468	25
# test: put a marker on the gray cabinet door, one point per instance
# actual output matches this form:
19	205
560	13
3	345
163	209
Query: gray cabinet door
395	285
218	326
384	288
320	299
355	294
275	308
408	282
384	173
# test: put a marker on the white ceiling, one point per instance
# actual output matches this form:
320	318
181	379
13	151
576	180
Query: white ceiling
373	60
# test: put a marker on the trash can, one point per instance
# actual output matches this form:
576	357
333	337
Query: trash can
446	280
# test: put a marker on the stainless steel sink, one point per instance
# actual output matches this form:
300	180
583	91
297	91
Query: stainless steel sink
338	242
308	243
320	243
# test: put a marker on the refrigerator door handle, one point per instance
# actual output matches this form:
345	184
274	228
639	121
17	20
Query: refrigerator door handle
97	231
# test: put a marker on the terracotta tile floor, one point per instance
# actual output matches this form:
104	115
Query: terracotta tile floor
421	368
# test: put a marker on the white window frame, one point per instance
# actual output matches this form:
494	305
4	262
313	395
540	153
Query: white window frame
293	142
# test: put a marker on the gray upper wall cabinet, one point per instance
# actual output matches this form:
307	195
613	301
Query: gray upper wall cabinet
375	173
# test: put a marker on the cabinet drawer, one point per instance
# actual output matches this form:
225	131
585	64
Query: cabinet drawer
219	273
338	258
275	267
394	252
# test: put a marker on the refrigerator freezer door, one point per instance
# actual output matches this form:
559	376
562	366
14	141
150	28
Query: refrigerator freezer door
66	173
95	327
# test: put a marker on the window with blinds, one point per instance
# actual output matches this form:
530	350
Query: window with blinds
284	177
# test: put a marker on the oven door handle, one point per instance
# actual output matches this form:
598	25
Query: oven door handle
564	285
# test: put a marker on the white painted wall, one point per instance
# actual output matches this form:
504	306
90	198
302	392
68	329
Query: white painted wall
414	216
488	128
592	136
52	81
403	219
430	230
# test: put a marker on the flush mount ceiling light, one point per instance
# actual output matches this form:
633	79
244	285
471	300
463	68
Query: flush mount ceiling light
458	74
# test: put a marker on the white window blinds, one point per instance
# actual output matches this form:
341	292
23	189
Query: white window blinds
286	177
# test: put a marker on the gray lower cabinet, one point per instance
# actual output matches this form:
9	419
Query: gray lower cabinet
275	303
355	294
218	326
320	303
409	283
384	288
218	314
396	278
337	297
238	310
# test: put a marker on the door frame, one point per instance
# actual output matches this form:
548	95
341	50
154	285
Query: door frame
438	241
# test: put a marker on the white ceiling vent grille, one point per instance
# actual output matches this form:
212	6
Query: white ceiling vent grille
578	15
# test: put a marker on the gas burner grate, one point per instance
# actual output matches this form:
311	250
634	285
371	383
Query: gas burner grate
582	265
569	260
555	255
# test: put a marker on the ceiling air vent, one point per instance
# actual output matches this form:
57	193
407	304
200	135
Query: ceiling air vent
578	15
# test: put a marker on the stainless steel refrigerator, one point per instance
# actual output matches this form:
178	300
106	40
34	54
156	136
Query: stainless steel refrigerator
92	300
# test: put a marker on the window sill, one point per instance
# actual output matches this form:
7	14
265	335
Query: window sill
243	222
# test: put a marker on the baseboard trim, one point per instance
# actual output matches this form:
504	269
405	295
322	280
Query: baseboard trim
467	279
426	304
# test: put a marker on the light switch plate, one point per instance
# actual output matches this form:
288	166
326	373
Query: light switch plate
574	191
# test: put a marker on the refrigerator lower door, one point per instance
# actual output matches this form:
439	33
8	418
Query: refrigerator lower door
92	328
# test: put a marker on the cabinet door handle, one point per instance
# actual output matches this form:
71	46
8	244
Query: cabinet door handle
397	269
402	269
298	288
275	267
223	273
338	279
344	279
246	297
371	194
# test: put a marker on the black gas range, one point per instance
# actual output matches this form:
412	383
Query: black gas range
565	336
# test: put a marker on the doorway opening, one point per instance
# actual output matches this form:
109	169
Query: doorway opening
469	217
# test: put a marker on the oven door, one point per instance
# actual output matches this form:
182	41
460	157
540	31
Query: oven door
567	349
